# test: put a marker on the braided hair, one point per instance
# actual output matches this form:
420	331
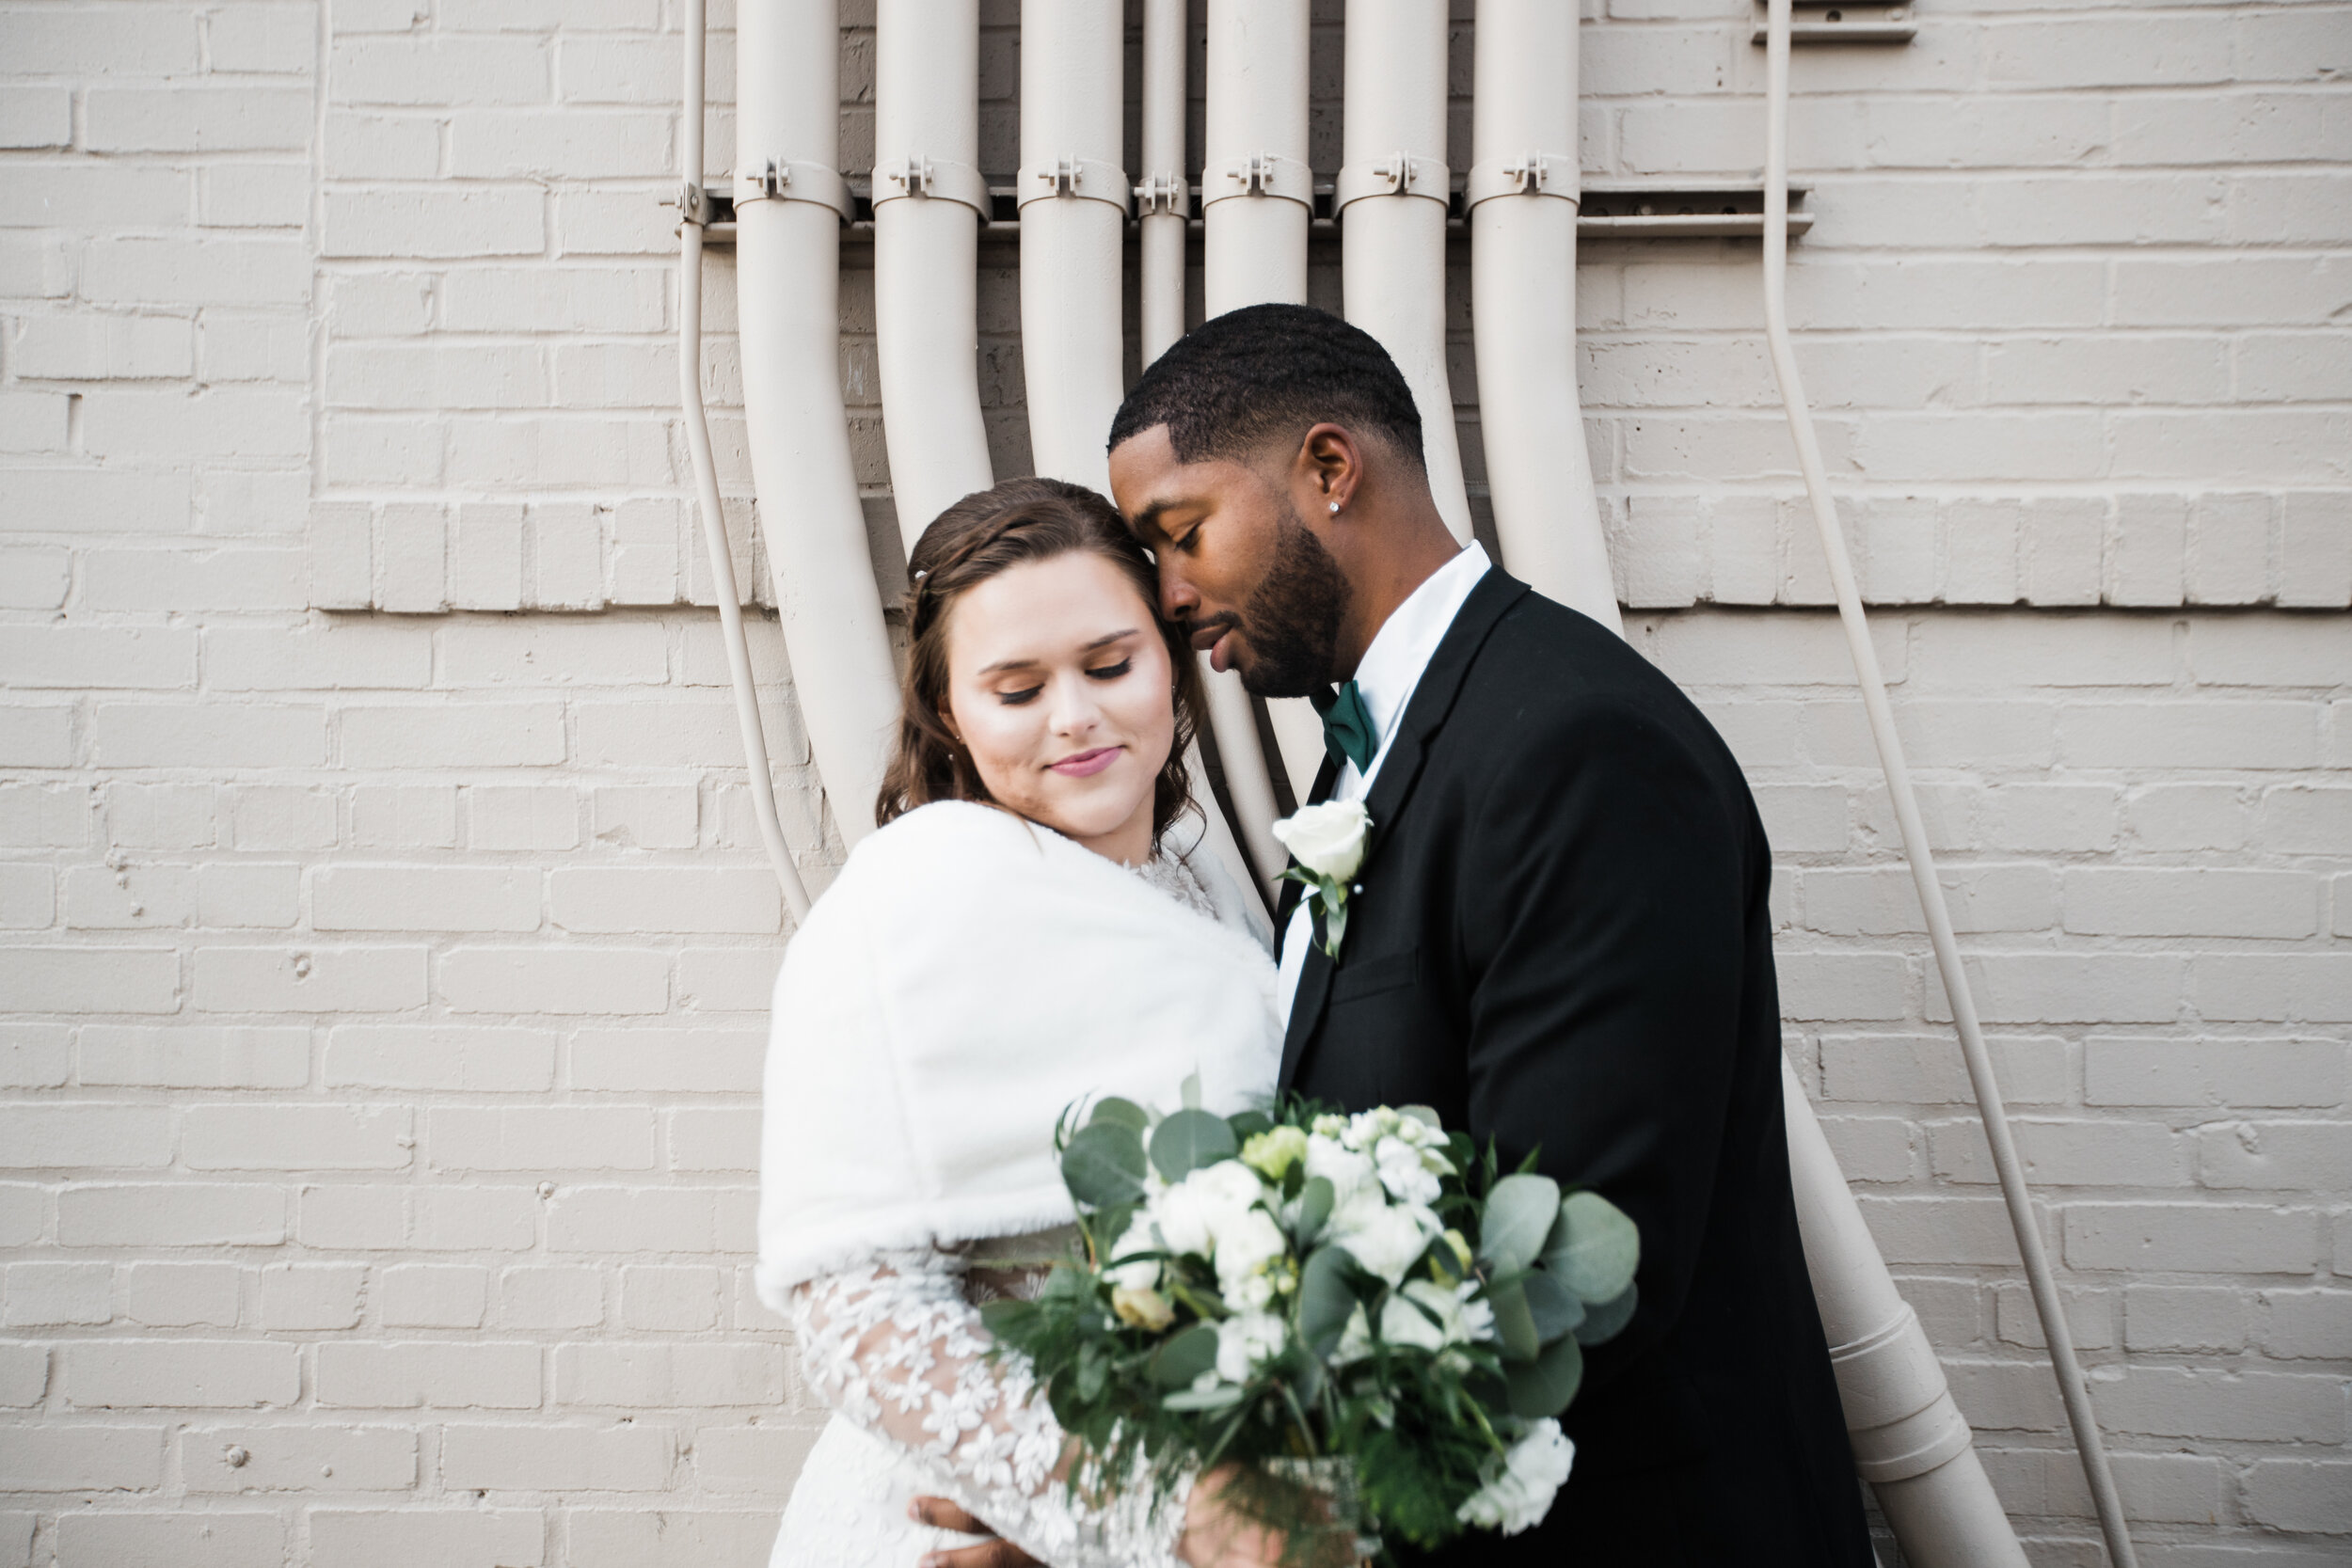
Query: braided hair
1016	523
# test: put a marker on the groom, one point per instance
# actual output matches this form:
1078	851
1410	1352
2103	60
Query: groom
1562	940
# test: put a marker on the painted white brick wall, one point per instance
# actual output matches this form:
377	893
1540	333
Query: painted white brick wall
385	942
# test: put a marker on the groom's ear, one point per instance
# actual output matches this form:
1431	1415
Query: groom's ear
1327	472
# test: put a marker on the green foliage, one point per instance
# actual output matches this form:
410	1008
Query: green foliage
1593	1248
1190	1139
1102	1164
1417	1430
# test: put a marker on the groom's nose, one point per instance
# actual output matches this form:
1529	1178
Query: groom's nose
1179	600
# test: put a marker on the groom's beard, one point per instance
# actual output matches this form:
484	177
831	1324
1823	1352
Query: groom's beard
1291	621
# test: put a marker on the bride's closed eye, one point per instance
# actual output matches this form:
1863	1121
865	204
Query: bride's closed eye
1112	672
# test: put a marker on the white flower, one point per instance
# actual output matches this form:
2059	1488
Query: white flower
1520	1490
1246	1342
1355	1339
1142	1274
1387	1240
1246	1248
1350	1174
1329	839
1453	1318
1193	1213
1407	1172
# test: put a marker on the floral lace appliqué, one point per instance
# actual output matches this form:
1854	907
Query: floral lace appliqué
895	1347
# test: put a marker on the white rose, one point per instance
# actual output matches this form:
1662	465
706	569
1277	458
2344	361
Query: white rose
1192	1213
1246	1342
1385	1239
1519	1494
1329	839
1245	1247
1453	1318
1350	1174
1143	1273
1404	1171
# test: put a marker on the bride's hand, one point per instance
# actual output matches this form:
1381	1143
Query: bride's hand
991	1553
1217	1535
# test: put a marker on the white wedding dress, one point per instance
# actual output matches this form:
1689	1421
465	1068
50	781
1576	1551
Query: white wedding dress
965	979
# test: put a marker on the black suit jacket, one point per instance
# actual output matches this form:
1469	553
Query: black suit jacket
1563	944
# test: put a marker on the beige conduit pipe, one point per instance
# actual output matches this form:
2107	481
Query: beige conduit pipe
1394	188
1523	195
1909	1439
1163	202
930	201
790	203
1073	199
2072	1389
1256	194
693	214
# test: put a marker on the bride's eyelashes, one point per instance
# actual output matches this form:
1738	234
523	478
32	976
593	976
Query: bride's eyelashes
1101	673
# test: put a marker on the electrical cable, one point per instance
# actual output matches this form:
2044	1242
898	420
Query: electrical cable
691	209
2071	1386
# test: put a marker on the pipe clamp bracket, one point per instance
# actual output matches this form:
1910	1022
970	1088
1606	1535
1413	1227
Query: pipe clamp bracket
1529	174
1085	178
1163	193
1260	174
1399	174
790	180
937	178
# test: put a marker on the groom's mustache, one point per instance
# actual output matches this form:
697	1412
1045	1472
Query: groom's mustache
1205	633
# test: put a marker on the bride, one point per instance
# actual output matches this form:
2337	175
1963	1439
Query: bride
1027	929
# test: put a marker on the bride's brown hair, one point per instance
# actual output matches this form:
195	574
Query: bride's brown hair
1016	523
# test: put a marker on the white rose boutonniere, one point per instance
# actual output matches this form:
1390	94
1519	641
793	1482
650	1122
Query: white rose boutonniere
1328	842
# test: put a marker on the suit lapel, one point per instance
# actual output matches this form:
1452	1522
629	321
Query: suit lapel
1399	770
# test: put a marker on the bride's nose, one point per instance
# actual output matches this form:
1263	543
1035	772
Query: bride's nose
1074	710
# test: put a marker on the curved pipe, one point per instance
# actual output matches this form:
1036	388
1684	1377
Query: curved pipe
691	209
1910	1441
930	201
790	201
1523	190
2056	1331
1392	194
1164	201
1073	197
1256	194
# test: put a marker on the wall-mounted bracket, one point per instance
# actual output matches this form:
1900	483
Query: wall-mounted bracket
1610	210
1842	21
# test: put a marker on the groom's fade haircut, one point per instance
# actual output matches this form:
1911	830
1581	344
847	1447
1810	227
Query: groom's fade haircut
1243	381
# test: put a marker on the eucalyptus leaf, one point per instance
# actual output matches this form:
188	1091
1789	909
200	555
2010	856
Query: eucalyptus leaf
1104	1165
1423	1115
1223	1397
1009	1318
1520	1215
1553	1306
1183	1356
1326	1301
1608	1319
1120	1113
1247	1124
1188	1140
1190	1090
1315	1208
1594	1248
1545	1386
1514	1324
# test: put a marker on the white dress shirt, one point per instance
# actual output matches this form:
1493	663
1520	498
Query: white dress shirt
1385	679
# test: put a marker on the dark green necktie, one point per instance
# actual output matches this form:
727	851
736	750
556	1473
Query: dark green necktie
1346	726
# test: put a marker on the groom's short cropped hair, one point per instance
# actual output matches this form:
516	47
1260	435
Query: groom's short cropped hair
1270	373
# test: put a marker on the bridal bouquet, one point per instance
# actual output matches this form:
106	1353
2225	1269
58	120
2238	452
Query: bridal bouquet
1359	1311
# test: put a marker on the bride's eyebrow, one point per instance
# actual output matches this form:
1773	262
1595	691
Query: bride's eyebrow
1103	642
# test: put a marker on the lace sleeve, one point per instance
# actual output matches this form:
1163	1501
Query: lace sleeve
895	1347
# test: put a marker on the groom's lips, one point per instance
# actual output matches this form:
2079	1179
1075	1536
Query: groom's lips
1214	640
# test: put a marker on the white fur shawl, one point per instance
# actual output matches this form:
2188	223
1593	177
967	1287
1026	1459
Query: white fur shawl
966	977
